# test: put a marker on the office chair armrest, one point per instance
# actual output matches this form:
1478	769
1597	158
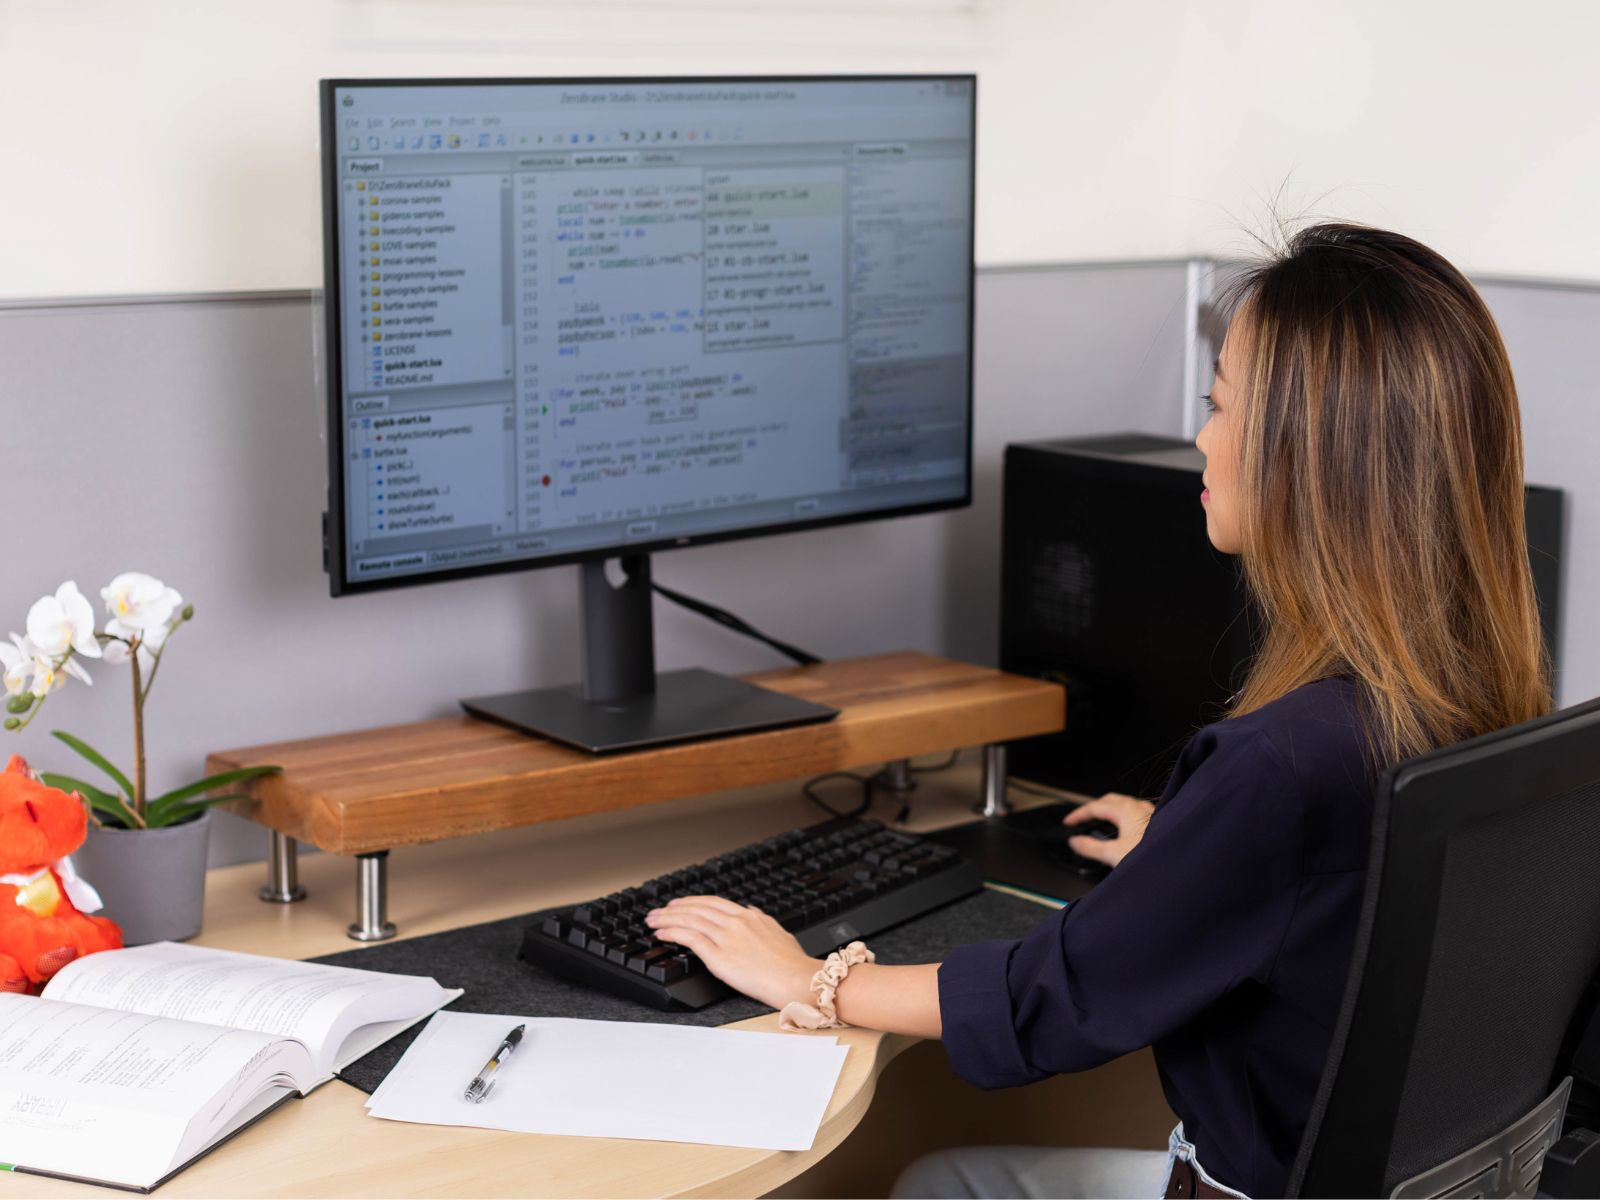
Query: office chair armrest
1572	1166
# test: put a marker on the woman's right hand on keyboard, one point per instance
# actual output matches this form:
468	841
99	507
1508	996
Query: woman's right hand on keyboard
1128	814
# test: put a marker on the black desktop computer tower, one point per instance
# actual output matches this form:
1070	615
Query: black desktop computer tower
1109	584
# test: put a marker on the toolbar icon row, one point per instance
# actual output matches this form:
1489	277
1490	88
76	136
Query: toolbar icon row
502	140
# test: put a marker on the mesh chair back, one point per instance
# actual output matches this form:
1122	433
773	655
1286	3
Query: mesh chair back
1480	933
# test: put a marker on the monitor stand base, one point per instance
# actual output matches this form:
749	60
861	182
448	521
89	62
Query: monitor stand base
685	706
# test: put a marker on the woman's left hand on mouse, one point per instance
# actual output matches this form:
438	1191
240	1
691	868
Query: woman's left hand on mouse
1129	814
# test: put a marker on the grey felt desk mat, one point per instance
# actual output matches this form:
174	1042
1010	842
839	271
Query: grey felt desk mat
483	960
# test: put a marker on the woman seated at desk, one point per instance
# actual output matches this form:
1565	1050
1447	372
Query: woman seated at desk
1364	458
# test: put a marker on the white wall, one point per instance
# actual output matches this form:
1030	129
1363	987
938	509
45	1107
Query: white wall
1469	124
196	165
159	146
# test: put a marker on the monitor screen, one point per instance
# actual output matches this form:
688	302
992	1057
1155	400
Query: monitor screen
578	318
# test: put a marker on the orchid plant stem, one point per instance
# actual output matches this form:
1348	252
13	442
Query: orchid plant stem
138	731
155	660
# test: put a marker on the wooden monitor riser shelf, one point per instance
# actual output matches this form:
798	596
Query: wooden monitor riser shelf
364	793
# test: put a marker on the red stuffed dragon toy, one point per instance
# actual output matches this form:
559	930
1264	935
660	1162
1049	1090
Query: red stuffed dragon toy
43	922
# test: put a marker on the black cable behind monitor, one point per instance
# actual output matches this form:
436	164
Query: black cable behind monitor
738	624
868	783
808	789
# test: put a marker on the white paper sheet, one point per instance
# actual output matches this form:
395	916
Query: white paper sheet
673	1083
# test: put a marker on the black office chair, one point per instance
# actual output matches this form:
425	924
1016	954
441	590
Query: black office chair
1469	987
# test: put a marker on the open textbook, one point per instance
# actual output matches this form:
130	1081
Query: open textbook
135	1062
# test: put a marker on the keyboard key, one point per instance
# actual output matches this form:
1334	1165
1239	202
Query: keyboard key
641	962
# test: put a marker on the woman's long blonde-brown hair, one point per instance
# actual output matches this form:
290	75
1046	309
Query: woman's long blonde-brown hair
1381	490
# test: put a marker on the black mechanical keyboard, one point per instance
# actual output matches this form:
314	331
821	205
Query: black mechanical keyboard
828	884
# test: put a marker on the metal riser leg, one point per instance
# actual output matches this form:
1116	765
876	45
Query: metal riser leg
896	777
993	802
283	871
372	898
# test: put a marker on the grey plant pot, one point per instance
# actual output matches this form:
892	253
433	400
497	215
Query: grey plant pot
153	881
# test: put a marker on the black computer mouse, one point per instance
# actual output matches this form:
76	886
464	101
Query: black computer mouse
1105	831
1043	827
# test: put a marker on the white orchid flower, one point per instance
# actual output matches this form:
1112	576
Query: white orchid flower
62	623
17	660
117	653
50	673
140	602
156	637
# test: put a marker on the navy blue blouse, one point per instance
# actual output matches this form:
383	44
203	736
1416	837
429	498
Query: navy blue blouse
1222	939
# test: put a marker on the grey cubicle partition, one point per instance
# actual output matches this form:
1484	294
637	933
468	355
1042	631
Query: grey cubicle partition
181	436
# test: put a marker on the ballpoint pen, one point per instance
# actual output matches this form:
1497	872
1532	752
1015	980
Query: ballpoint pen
483	1082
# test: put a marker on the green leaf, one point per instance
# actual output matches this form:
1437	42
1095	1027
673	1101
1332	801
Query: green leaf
68	783
158	817
100	801
211	783
97	759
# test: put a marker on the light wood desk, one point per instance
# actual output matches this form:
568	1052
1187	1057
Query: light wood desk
325	1145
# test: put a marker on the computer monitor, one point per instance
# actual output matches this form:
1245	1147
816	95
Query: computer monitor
570	320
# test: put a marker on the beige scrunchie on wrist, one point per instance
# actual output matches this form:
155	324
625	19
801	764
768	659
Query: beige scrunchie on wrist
798	1015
